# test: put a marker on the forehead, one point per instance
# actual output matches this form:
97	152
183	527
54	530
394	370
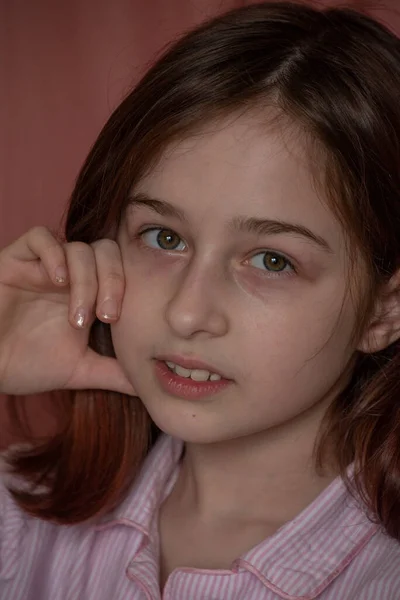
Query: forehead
243	166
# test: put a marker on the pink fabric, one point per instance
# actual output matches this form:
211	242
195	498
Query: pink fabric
330	551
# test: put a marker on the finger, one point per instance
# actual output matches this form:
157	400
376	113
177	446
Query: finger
111	280
100	373
40	243
81	265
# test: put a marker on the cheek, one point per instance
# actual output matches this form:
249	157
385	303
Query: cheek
290	366
131	333
142	308
296	337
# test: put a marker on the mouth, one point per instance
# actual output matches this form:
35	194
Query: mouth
194	374
194	369
189	379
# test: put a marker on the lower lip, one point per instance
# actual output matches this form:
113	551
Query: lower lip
185	387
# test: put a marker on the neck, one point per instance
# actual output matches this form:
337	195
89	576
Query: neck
269	476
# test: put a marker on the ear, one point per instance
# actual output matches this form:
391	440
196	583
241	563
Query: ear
384	327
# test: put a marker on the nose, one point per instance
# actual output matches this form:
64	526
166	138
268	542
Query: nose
198	303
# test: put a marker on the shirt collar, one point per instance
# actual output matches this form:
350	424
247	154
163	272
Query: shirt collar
304	556
155	480
299	561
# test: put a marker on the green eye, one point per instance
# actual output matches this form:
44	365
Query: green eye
163	239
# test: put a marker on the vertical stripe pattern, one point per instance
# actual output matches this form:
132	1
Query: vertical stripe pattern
330	551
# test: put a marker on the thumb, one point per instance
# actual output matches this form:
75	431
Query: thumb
100	373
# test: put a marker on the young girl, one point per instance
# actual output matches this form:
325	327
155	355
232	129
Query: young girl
225	315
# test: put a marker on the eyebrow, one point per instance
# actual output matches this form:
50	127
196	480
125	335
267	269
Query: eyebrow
238	224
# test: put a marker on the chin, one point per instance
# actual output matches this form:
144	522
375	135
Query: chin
188	433
189	427
193	428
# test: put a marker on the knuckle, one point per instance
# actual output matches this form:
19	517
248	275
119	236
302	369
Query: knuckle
109	265
80	252
38	230
114	278
53	246
105	242
79	247
46	239
105	246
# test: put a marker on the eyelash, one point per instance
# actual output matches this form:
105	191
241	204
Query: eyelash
140	236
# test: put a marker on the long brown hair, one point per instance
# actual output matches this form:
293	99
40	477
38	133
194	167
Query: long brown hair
335	73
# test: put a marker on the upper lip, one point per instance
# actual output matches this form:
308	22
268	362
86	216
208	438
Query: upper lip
190	363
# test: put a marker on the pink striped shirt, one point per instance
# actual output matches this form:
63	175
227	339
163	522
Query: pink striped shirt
330	551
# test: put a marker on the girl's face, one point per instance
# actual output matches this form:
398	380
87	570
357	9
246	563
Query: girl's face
232	260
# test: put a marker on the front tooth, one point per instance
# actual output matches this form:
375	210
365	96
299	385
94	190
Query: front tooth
215	377
182	371
199	375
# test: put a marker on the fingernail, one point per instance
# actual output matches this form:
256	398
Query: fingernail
109	309
80	317
61	275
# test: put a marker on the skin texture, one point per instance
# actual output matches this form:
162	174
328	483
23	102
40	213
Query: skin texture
281	334
212	298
